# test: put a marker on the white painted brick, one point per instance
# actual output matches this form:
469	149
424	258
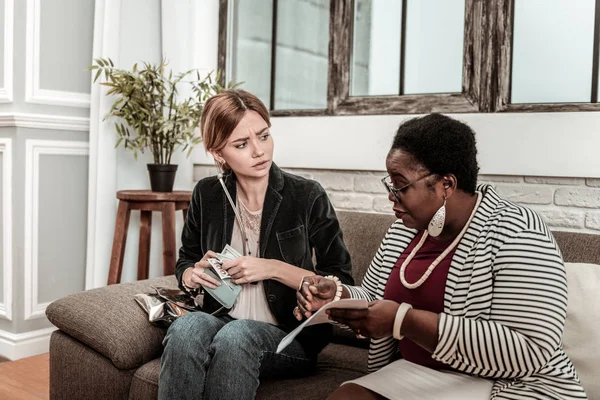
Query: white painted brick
203	171
555	180
369	184
382	205
592	220
500	178
526	194
335	181
593	182
577	197
563	218
300	172
351	201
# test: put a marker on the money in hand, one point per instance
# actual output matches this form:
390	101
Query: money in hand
228	253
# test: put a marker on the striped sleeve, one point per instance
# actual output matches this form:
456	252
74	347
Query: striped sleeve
527	317
369	287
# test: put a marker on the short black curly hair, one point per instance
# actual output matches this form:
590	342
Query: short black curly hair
443	145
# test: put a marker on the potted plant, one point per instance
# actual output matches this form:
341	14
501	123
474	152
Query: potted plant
151	114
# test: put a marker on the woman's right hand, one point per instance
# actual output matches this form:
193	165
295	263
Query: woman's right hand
314	292
195	276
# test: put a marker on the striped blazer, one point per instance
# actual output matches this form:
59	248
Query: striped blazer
505	303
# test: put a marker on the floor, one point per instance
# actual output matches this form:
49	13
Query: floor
25	379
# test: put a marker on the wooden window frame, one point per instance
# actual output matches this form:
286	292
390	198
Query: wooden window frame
486	75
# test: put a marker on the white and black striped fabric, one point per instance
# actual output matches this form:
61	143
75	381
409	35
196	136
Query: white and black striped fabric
505	303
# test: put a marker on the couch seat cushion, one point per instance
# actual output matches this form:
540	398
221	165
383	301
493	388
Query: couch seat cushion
582	329
337	364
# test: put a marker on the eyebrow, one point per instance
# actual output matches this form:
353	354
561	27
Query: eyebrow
399	175
248	137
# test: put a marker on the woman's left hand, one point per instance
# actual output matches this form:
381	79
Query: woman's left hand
248	269
376	321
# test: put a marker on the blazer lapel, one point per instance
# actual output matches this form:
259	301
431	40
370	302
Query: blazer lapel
271	205
461	266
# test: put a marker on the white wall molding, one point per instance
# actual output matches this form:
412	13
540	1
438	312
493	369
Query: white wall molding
44	121
33	92
33	150
6	92
15	346
6	150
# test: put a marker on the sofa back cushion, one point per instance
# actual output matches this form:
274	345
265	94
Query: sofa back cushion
362	234
581	339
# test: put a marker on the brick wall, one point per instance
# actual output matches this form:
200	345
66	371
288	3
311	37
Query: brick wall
571	204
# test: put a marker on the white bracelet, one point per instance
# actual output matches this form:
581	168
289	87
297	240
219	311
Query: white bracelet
400	314
338	284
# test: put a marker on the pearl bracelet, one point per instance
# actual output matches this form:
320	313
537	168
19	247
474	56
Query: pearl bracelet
400	314
338	284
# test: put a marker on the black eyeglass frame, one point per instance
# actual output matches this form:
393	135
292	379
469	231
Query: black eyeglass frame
394	191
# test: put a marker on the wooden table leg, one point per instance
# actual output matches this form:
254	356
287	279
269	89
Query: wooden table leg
144	247
119	242
168	237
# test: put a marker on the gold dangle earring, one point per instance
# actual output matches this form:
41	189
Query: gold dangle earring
436	225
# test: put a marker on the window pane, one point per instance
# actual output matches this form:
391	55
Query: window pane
552	51
434	46
376	55
302	54
249	43
434	35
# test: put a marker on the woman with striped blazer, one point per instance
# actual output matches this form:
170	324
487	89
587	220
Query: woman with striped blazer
466	289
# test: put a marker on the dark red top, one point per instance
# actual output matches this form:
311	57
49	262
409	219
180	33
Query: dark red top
429	296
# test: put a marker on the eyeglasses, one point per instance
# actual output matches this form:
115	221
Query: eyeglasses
387	182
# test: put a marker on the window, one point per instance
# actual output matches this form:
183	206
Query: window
276	56
349	57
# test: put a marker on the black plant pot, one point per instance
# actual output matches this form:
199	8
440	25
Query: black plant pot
162	177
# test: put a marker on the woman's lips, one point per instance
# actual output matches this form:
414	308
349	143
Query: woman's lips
261	164
399	213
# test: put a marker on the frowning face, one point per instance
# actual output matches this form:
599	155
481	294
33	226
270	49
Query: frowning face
249	149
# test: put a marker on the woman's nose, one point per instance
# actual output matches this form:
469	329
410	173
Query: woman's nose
257	151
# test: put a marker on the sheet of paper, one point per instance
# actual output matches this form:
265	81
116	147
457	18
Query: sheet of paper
321	317
404	380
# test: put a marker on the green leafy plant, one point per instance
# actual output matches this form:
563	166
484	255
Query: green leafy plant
152	116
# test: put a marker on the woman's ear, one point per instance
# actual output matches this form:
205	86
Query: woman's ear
217	156
449	184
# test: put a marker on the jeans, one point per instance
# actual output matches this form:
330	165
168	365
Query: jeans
208	357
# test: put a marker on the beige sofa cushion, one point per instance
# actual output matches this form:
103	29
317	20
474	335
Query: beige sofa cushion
582	329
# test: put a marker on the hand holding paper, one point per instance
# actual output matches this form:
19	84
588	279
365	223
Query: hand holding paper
321	317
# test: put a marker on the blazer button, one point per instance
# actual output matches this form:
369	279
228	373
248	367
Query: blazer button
271	298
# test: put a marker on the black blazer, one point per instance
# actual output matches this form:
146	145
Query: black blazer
297	218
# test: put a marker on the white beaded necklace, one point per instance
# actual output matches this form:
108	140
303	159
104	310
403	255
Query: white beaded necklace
439	258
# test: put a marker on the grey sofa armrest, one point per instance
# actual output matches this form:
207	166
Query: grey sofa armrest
110	321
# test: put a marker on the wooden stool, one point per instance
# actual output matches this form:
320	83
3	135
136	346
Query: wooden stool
146	201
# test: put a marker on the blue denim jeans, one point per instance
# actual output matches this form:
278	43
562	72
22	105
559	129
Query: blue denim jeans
208	357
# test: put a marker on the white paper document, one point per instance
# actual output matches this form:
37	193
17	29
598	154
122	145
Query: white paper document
403	380
320	317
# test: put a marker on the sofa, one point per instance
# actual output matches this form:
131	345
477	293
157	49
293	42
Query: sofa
105	348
